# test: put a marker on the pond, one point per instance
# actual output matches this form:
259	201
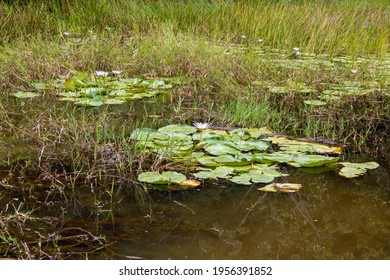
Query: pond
330	218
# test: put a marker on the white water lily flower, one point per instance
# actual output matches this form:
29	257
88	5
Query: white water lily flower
241	134
201	126
117	72
101	73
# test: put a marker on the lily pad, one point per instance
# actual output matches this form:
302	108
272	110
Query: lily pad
114	101
189	184
364	165
26	94
249	145
242	179
259	174
89	102
351	172
92	91
302	146
219	172
161	179
281	187
311	160
254	132
220	149
177	128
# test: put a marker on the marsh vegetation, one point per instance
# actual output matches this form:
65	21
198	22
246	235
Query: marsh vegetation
81	81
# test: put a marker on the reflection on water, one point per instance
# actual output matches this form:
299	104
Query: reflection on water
330	218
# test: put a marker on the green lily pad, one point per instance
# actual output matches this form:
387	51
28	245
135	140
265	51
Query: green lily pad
69	94
353	170
302	146
219	172
249	145
311	160
279	157
177	128
253	132
92	91
258	174
364	165
26	94
206	135
90	102
114	101
207	161
230	160
220	149
161	179
242	179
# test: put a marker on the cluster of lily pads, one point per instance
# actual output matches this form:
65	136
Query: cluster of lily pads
242	156
100	87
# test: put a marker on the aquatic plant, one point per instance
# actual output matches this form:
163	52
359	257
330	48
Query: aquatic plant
228	155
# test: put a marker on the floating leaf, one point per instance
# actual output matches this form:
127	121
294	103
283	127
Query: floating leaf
161	179
177	128
249	145
26	94
220	149
206	135
243	179
237	160
219	172
90	102
279	157
92	91
351	172
302	146
364	165
189	184
253	132
281	187
114	101
311	160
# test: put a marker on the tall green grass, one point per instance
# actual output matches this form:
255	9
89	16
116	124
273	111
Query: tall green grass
335	27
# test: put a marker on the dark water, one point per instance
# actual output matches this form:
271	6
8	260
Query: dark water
330	218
